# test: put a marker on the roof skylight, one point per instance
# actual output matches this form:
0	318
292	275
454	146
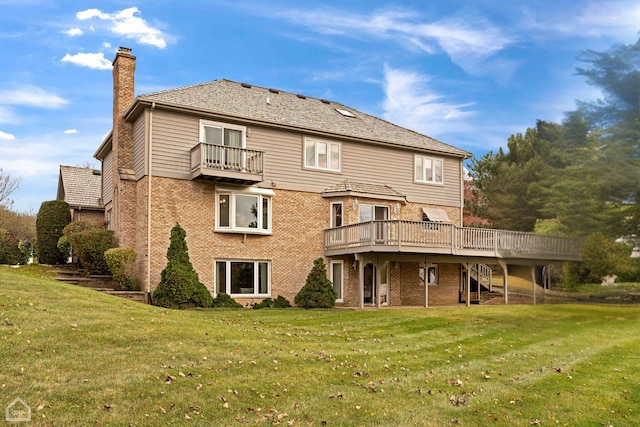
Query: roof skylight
345	113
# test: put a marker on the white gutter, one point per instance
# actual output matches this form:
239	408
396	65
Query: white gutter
150	165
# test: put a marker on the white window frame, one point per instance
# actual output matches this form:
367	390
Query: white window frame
419	167
260	193
436	274
332	265
256	272
223	126
331	167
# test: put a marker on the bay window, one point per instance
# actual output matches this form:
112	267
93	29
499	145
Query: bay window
243	210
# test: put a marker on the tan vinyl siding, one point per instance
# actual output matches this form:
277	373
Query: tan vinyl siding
173	137
140	146
107	178
175	134
359	162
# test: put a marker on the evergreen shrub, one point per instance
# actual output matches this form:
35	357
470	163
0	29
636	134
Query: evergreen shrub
51	220
120	262
179	285
317	291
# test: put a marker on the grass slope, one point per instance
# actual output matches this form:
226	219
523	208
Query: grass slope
78	357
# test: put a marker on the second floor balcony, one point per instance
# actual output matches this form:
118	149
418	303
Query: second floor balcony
421	237
227	164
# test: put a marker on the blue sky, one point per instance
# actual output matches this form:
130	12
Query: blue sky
469	73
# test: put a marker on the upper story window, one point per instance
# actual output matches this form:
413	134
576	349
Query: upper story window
323	155
224	134
242	210
428	169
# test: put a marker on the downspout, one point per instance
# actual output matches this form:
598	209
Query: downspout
150	165
462	194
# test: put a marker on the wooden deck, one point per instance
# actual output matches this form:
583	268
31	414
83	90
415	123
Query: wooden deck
419	237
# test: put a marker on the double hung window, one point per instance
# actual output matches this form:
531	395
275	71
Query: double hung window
428	169
323	155
243	278
431	274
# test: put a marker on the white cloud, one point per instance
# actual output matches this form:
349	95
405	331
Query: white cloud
129	24
467	39
71	131
7	115
91	13
410	102
6	136
617	18
72	32
31	96
106	45
96	61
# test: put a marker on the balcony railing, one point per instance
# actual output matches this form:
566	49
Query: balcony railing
230	164
446	239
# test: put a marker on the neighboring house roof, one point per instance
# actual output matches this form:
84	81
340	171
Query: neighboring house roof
271	106
80	187
363	189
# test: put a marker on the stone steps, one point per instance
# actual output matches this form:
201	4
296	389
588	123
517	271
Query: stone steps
102	283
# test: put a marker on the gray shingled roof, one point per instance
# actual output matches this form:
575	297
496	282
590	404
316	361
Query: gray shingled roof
274	106
80	187
353	187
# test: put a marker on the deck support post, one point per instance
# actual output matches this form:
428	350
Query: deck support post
478	280
505	280
426	282
377	279
467	266
360	281
533	280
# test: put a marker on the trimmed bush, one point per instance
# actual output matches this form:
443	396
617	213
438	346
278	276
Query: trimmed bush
318	291
89	243
120	262
280	302
179	285
52	217
10	253
225	301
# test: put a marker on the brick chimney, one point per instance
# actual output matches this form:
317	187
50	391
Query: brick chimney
124	184
124	66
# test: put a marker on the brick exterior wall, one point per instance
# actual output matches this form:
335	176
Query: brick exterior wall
298	223
298	219
88	216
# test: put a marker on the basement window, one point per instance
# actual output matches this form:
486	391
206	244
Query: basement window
243	278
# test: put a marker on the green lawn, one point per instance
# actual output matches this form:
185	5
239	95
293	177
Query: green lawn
78	357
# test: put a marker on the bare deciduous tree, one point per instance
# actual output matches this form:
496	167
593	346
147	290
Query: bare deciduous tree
7	186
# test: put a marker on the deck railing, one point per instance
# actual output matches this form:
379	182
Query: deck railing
218	157
441	238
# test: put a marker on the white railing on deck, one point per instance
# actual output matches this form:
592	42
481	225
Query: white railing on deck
448	238
219	157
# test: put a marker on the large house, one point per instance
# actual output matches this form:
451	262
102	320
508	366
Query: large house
264	182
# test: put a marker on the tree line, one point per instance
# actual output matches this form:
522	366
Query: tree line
578	177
